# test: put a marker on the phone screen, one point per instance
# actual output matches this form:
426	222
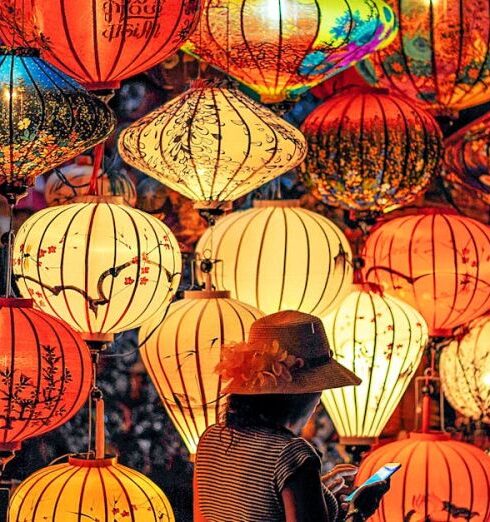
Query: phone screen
382	474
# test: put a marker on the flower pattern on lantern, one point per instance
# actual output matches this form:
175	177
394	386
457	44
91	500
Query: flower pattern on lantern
212	145
369	150
282	48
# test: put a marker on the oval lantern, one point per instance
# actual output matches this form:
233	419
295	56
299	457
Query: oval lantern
89	489
436	260
46	118
282	48
212	145
100	43
369	150
439	480
45	373
440	56
381	339
278	256
102	266
465	372
182	351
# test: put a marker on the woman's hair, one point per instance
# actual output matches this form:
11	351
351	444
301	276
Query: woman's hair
243	411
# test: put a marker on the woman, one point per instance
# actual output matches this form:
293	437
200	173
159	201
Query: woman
253	467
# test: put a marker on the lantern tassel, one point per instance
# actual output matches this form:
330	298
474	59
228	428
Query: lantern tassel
99	427
98	157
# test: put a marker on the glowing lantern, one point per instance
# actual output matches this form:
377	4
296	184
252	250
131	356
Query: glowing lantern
45	373
100	43
277	256
282	48
182	351
465	372
89	489
440	56
46	118
440	480
101	266
369	150
437	261
212	145
382	340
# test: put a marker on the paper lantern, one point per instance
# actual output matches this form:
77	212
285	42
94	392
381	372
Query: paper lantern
100	43
282	48
382	340
89	489
182	351
45	373
436	260
278	256
101	266
46	118
73	181
440	56
212	145
369	150
465	372
440	480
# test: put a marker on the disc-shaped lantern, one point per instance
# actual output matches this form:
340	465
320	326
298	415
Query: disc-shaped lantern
439	480
45	372
278	256
182	351
100	43
46	118
212	145
436	260
282	48
382	340
369	150
102	266
465	371
89	489
440	56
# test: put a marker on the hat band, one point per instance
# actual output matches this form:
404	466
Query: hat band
315	362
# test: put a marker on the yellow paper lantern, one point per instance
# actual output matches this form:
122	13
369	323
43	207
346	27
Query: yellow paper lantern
182	351
89	489
278	256
465	371
101	266
212	145
381	339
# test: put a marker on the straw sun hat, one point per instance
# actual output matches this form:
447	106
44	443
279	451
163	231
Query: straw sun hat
286	352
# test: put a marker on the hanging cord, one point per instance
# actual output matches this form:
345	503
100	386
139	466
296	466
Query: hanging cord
10	254
98	164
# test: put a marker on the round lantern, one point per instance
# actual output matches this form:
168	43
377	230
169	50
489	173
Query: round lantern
282	48
182	351
212	145
382	340
100	43
278	256
73	181
89	489
101	266
46	118
369	150
465	372
45	373
436	260
440	480
440	56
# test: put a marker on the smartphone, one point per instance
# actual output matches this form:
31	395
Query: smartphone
382	474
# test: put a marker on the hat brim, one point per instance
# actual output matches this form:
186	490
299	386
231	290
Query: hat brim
313	380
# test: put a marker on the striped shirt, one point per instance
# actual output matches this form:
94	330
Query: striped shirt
240	474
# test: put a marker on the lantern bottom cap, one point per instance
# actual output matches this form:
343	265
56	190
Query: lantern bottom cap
97	337
280	203
358	441
207	294
218	206
10	446
16	302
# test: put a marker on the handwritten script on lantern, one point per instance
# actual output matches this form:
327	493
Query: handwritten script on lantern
134	19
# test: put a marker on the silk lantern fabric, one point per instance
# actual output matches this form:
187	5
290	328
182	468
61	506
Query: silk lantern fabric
182	350
45	372
212	145
369	150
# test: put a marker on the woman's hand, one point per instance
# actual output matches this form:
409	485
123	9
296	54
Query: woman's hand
340	479
366	500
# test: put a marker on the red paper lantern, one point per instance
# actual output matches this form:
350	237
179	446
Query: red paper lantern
440	480
45	372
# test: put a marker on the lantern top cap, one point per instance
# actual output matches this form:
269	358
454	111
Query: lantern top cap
14	302
280	203
20	51
430	436
114	200
83	461
207	294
